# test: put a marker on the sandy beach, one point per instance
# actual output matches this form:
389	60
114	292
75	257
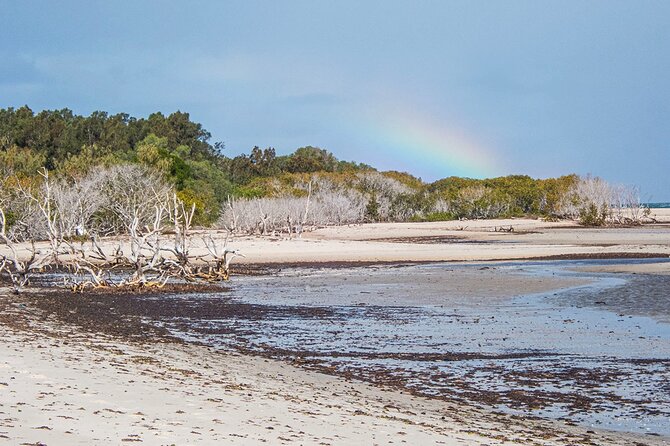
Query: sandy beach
475	240
472	240
65	382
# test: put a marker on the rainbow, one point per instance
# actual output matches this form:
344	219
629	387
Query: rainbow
416	143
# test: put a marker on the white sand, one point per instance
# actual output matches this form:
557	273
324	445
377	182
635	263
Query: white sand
478	240
370	242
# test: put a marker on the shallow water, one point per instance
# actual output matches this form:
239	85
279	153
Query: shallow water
596	354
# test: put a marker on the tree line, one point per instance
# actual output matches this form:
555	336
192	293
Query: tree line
261	191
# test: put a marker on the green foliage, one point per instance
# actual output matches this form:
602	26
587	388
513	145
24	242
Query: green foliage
72	145
405	206
11	218
205	205
58	134
153	152
89	157
351	166
20	161
510	196
553	191
592	215
435	216
405	178
372	209
310	159
259	163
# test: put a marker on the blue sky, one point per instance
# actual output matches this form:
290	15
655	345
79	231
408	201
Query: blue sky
436	88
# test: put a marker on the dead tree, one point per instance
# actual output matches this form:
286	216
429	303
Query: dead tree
230	204
143	257
218	267
181	218
139	200
145	252
18	270
98	274
136	201
43	199
303	221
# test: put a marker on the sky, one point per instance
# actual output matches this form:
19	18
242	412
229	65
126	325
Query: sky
435	88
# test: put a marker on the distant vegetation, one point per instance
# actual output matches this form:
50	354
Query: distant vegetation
260	191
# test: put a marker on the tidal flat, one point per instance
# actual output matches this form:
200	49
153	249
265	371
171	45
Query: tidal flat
536	339
595	351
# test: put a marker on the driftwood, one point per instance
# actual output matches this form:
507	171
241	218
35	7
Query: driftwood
151	268
158	252
138	203
20	271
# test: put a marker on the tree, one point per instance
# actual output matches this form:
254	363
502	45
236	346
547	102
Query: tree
153	151
311	159
372	208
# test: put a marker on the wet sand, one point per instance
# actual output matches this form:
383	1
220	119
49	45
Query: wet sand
70	383
517	348
642	295
645	268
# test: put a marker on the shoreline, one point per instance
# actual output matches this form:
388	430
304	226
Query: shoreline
257	268
59	374
449	241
